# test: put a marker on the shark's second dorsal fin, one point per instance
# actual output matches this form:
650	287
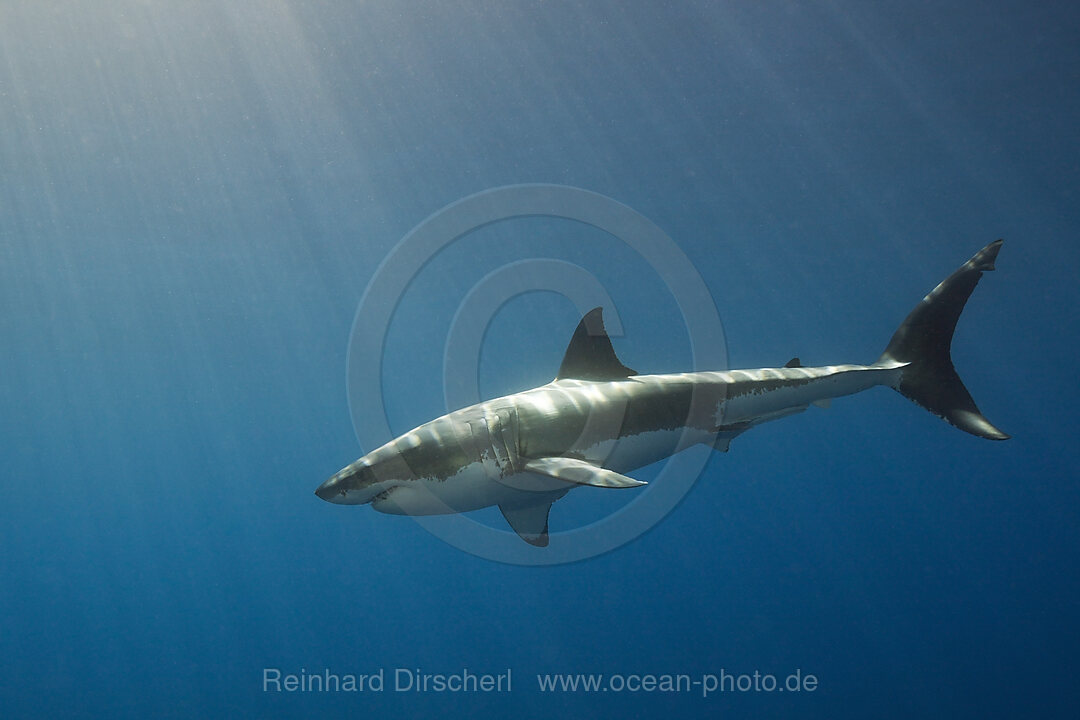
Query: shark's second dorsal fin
590	355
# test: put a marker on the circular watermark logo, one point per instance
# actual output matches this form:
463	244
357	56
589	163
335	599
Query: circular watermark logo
465	339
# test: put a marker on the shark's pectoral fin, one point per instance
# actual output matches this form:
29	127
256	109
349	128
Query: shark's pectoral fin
530	521
580	472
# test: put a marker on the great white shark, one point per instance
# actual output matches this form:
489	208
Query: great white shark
599	420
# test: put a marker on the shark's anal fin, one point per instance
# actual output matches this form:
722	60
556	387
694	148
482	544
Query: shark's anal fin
529	521
590	355
580	472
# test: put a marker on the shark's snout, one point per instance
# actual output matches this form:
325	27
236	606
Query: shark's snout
332	490
353	485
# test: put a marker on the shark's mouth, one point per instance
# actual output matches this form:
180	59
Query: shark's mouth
379	497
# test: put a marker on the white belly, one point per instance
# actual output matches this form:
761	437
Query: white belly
470	489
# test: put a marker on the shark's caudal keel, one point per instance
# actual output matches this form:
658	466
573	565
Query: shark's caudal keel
599	420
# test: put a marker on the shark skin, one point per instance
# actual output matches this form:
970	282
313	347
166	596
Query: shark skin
599	420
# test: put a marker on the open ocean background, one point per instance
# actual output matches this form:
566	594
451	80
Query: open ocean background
194	195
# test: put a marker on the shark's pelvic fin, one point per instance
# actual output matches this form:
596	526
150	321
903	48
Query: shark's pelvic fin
726	433
530	521
580	472
923	342
590	355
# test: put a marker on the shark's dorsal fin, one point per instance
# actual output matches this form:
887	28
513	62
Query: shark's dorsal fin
530	521
793	363
590	355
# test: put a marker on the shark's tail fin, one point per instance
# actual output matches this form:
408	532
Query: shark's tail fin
923	342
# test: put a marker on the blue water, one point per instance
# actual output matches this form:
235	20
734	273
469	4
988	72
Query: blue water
194	196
